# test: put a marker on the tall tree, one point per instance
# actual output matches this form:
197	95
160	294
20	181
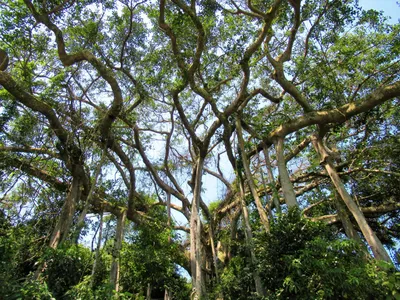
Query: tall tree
155	97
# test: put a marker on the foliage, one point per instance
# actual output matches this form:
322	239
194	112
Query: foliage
66	266
237	280
302	259
156	91
20	249
84	290
150	257
36	290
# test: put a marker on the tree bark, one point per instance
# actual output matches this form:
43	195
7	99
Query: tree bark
287	186
250	180
345	220
376	246
234	225
119	235
63	225
148	292
96	259
82	216
166	295
271	179
195	233
214	252
249	238
169	214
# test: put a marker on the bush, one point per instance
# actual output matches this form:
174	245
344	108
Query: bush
66	267
35	290
303	259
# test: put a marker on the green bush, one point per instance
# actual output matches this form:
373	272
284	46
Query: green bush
66	267
237	280
302	259
34	290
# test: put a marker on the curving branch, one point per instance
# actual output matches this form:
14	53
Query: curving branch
84	55
337	115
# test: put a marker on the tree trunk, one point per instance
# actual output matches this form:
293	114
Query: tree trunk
234	225
287	186
344	218
148	292
169	215
63	225
249	238
119	235
96	259
214	253
195	233
166	295
81	219
271	179
268	202
376	246
246	166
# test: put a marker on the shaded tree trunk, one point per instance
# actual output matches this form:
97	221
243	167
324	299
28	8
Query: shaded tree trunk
82	216
169	214
166	295
287	186
63	225
249	238
97	256
148	292
61	230
326	160
344	218
271	180
233	229
269	203
115	265
250	180
196	257
214	252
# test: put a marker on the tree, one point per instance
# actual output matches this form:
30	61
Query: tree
106	104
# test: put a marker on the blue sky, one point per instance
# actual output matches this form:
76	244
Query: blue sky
389	7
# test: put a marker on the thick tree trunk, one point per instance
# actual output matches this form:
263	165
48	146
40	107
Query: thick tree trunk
376	246
249	238
61	230
271	180
196	257
119	235
287	186
345	220
63	225
250	180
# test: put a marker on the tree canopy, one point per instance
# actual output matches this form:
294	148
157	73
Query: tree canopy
118	117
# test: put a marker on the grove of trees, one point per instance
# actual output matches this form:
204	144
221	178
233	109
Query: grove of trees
254	144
